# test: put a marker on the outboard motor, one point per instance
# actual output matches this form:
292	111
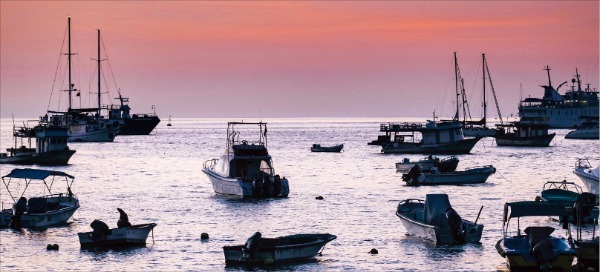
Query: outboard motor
455	222
257	187
541	246
100	230
251	246
412	175
276	185
123	219
18	209
585	209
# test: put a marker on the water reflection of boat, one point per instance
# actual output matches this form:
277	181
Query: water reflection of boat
536	249
448	164
259	250
319	148
435	220
246	168
39	211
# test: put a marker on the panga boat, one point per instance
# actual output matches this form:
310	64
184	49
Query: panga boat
246	168
589	176
416	177
258	250
319	148
448	164
566	194
38	211
536	249
124	235
435	220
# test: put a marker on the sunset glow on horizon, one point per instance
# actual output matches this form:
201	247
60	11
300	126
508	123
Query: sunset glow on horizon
297	59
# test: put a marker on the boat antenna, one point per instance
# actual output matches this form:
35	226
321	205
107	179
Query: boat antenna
547	68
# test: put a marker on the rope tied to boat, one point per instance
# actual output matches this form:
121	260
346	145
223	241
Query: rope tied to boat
502	176
153	236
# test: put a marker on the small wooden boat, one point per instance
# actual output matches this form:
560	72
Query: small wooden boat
124	235
536	249
416	177
135	235
435	220
566	194
319	148
448	164
39	211
258	250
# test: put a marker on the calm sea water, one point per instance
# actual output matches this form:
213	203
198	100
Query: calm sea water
158	178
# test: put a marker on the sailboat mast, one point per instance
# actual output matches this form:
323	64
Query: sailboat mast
69	60
99	73
457	85
484	100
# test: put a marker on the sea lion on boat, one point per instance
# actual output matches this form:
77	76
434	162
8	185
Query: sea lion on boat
123	219
100	230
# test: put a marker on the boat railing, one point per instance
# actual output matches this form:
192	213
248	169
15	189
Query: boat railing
562	185
399	127
210	163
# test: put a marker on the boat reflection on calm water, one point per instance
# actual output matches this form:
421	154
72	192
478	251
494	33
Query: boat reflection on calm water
158	178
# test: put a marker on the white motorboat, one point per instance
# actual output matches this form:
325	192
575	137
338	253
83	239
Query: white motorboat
448	164
416	177
259	250
435	220
37	211
246	168
587	133
536	249
588	175
124	235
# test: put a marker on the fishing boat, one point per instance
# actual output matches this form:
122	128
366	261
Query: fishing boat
38	211
448	164
259	250
132	124
530	132
588	175
435	220
567	194
416	177
124	235
480	128
562	111
536	249
443	137
319	148
51	146
246	168
83	124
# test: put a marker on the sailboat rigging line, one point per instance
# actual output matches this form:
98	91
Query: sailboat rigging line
56	71
493	91
109	66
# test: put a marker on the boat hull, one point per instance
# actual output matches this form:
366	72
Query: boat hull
131	236
42	220
538	141
237	186
479	132
100	135
589	179
586	134
279	254
444	165
139	125
337	148
518	255
470	176
456	147
57	157
410	215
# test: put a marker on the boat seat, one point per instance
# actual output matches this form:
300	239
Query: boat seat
37	205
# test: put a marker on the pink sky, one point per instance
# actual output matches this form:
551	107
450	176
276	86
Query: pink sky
296	59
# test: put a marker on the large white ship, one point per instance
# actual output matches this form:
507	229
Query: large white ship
562	111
